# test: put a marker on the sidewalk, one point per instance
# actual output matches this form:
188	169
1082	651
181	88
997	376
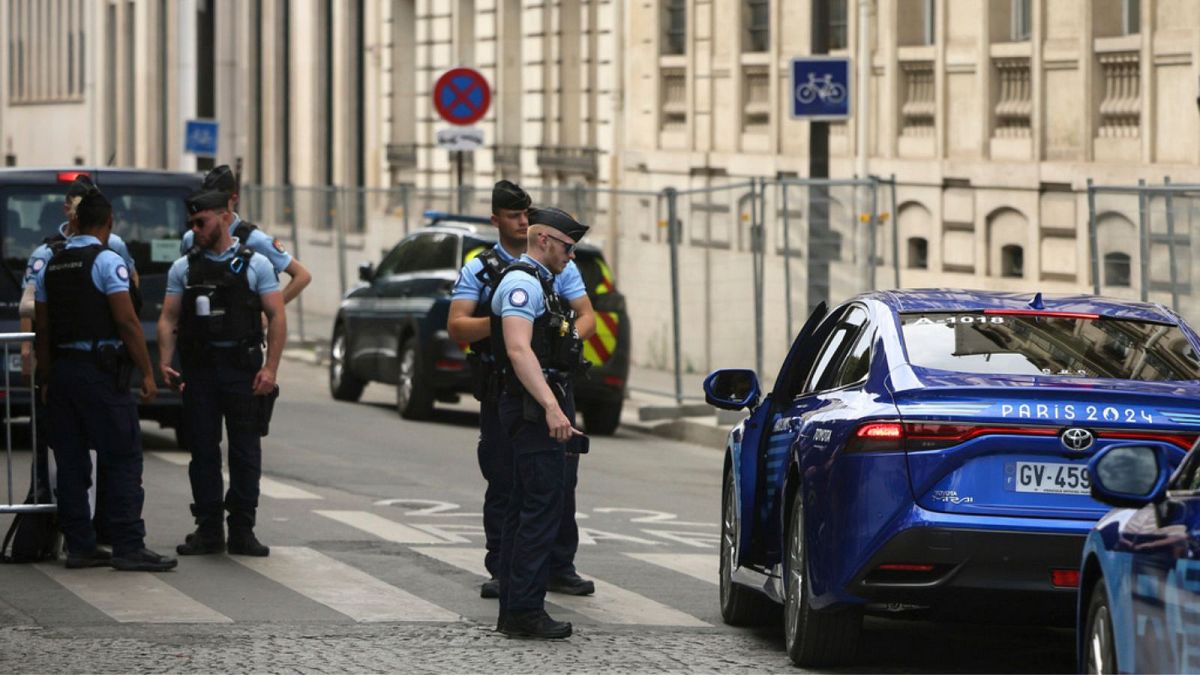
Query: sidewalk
650	405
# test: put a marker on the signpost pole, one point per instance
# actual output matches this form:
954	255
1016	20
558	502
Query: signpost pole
818	169
458	161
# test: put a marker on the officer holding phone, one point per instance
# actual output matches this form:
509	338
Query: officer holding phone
537	350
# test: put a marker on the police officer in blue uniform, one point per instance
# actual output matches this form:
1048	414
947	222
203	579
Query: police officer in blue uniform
37	260
216	296
538	351
222	180
470	322
90	337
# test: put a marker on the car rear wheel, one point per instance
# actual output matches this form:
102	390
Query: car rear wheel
602	418
812	637
414	400
342	385
1100	648
740	606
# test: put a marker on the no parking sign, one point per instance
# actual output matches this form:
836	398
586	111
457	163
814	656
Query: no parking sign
462	96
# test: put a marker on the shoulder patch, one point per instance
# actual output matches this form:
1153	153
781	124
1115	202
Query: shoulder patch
518	298
278	246
122	273
38	264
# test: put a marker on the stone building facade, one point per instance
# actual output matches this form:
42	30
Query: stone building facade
991	114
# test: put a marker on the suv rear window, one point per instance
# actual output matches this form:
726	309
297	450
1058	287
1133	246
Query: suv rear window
1028	344
151	220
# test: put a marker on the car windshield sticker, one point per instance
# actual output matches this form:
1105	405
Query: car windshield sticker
518	298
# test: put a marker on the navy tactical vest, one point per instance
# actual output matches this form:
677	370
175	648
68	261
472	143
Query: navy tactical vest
79	311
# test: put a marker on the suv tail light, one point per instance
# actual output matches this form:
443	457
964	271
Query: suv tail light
70	176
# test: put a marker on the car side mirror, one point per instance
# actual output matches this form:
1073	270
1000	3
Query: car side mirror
731	388
1129	476
366	271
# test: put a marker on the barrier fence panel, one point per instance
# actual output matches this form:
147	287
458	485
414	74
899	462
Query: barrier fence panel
21	395
1144	242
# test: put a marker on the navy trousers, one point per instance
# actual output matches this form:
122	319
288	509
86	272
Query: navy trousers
496	463
88	410
217	389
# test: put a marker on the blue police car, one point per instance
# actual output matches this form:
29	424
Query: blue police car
1139	599
925	453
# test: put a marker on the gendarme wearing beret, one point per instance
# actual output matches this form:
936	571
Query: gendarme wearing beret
559	220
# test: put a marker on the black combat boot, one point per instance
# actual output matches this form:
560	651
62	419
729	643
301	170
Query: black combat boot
490	588
95	558
143	560
243	542
202	542
571	584
535	624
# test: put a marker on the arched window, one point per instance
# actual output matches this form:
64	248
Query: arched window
1012	261
918	253
1117	269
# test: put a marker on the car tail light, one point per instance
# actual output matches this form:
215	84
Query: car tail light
1182	441
884	436
1064	578
904	567
70	176
613	381
449	364
907	573
876	437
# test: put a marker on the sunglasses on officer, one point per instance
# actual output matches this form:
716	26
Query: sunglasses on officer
568	246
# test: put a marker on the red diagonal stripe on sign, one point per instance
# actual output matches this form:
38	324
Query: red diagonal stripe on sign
609	320
598	345
461	95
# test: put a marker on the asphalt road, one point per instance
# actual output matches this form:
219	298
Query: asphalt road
376	561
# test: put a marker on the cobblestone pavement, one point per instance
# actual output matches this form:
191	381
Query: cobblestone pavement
411	648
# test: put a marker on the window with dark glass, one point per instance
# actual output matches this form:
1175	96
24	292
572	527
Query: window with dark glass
1022	20
833	353
1048	345
1117	269
758	25
1012	261
675	27
918	253
1131	16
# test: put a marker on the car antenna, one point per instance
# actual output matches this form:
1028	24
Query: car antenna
1037	303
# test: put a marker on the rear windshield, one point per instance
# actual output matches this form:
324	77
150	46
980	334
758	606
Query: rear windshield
1049	346
151	220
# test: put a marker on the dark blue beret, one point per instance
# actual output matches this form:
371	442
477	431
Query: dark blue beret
559	220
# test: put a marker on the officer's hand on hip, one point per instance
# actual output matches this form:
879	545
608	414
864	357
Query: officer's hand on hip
149	388
559	426
264	382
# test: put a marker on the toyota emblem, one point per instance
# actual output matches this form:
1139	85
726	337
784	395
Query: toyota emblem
1077	439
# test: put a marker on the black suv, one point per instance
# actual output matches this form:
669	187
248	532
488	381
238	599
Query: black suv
148	214
391	328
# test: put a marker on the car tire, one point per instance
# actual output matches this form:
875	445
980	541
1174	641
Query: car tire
342	385
740	606
602	418
414	399
812	637
1098	640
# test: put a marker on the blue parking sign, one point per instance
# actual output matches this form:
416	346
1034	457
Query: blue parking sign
200	137
820	88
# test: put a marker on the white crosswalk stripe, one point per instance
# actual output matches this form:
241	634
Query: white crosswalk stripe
343	588
610	604
269	487
702	566
132	597
383	528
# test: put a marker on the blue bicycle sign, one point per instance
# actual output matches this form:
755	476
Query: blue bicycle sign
820	88
200	137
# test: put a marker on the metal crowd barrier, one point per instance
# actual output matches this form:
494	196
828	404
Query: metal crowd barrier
15	505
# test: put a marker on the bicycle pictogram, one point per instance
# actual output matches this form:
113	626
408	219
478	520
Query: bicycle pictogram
821	87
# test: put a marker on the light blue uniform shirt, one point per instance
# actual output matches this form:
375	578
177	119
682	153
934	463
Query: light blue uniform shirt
261	275
260	242
568	284
109	274
519	294
42	254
